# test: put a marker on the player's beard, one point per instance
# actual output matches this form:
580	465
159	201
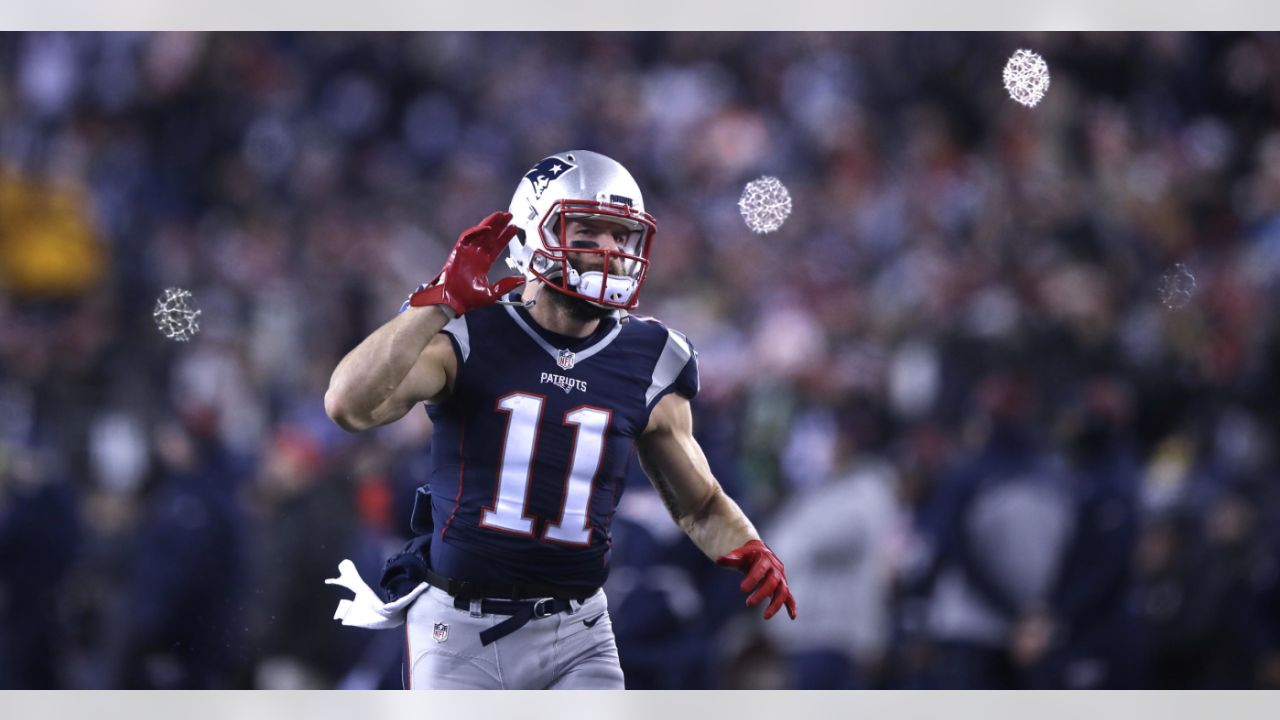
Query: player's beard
577	308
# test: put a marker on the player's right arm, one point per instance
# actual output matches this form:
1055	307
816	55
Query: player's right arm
402	363
407	360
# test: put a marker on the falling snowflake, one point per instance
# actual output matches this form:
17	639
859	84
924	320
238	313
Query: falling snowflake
1176	287
765	204
175	315
1026	77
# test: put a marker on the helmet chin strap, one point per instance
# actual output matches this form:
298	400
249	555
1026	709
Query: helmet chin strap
526	304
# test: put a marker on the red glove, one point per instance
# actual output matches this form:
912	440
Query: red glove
463	282
765	570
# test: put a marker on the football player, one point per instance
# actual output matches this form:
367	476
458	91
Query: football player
538	397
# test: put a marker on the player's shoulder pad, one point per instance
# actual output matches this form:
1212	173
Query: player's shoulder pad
677	363
649	327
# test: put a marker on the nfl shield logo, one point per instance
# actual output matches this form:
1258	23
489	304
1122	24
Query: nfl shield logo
440	633
565	359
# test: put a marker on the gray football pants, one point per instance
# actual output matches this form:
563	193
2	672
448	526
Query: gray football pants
573	650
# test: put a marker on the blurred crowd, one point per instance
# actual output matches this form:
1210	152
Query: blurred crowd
947	389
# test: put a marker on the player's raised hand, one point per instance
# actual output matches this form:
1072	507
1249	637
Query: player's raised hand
463	283
765	578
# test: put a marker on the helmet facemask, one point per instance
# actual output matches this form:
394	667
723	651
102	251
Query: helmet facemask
587	187
609	278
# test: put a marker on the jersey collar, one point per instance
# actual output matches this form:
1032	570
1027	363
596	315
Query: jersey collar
552	343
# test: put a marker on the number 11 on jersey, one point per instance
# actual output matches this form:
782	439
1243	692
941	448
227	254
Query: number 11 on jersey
518	450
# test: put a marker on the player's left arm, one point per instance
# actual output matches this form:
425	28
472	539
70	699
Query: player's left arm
678	469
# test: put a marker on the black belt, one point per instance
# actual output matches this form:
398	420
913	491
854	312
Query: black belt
521	612
522	602
468	590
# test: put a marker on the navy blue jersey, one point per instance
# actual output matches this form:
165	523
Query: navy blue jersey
530	451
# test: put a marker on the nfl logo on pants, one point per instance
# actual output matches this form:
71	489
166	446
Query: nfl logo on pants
565	359
440	632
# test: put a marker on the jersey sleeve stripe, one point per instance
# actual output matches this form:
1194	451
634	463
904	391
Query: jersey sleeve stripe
675	354
457	327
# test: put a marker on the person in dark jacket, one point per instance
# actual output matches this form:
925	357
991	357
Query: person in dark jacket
997	526
1088	638
39	535
184	623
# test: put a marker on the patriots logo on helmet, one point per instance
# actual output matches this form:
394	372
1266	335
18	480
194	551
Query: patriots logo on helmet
546	172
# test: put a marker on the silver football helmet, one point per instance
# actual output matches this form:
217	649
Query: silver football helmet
581	185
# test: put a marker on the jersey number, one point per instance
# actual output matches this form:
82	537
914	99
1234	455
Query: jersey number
518	449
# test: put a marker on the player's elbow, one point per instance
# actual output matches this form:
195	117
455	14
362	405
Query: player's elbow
338	408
